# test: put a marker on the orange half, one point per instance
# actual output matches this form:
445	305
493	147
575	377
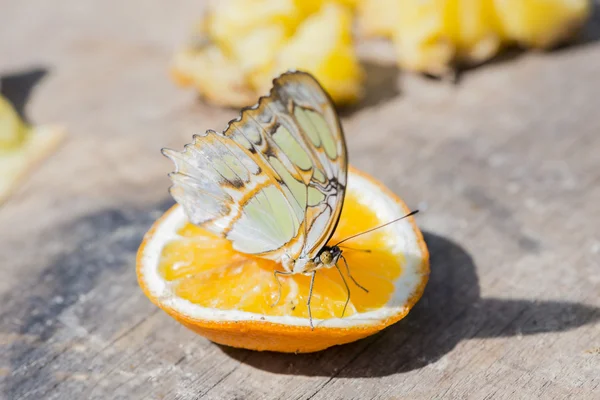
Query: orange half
231	298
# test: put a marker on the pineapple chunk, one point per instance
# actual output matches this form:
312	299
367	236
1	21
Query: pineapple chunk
12	129
474	30
432	35
218	78
351	4
257	49
249	42
378	17
230	20
323	46
541	23
422	41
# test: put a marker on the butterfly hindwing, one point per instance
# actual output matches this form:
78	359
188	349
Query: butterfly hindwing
274	181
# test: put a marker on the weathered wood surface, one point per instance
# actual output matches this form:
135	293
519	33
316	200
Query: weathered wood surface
505	163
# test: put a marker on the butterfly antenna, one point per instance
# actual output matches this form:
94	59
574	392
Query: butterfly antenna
378	227
355	249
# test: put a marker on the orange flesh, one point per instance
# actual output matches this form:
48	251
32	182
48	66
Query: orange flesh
205	270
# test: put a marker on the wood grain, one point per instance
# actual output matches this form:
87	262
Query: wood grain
505	165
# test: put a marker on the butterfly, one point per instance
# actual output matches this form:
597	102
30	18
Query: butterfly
273	182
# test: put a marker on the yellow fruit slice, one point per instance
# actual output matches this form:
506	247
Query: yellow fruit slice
245	43
229	21
21	146
257	49
432	35
214	75
12	129
378	17
229	297
541	23
323	46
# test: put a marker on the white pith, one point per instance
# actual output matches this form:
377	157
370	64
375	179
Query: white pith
402	241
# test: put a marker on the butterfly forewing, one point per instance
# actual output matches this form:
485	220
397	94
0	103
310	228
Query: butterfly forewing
317	125
273	183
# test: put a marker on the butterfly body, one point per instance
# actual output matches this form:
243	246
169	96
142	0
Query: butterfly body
327	258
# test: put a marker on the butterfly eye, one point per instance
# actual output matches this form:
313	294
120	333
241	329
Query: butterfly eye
326	257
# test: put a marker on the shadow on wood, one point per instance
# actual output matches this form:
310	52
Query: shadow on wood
99	245
17	87
451	310
591	31
381	85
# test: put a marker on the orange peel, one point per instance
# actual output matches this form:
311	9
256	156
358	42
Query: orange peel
227	297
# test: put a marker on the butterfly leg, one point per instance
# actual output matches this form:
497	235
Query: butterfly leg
310	290
275	273
347	290
351	277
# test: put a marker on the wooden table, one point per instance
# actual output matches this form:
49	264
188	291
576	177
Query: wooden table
506	165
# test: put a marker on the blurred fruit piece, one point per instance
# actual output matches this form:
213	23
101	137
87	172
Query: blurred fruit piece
541	23
432	36
21	146
215	76
229	21
12	129
256	50
378	17
245	43
323	46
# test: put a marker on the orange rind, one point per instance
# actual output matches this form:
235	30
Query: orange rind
228	297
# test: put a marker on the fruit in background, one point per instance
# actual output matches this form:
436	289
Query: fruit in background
21	146
12	129
245	43
433	36
324	47
230	21
214	75
541	23
378	17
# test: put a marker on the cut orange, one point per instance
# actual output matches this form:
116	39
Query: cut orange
228	297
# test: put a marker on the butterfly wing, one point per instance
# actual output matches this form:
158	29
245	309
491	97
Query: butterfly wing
309	115
273	182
